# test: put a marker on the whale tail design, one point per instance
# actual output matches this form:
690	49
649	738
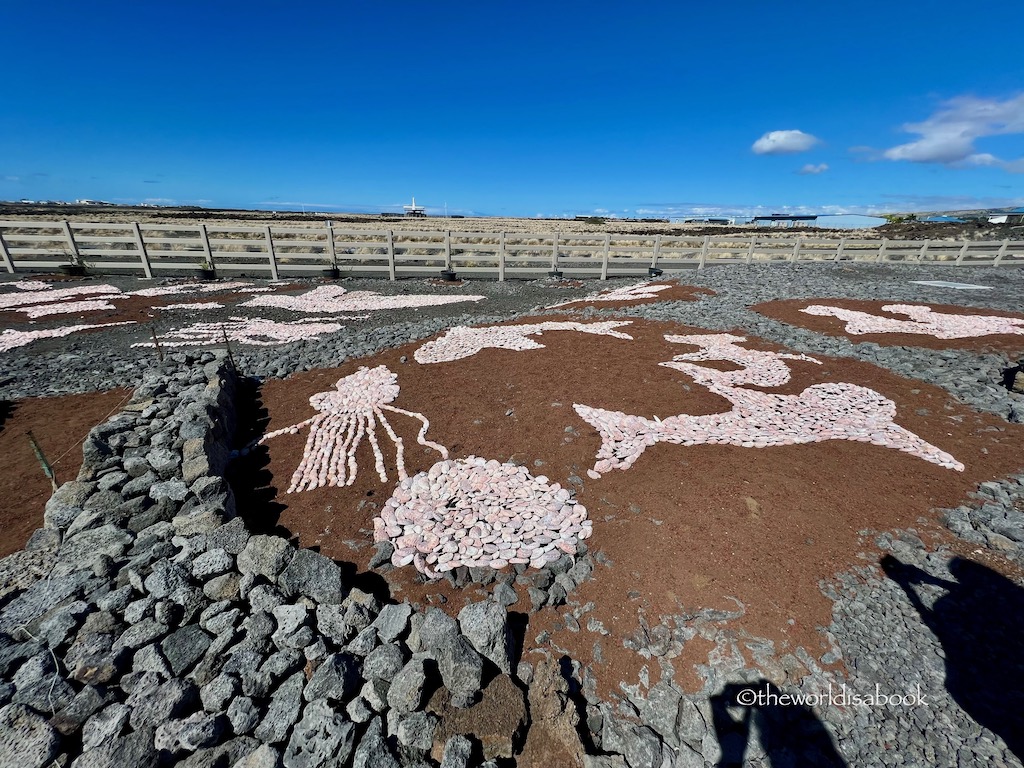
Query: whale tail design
623	437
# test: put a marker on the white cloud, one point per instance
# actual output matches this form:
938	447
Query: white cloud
813	170
784	143
948	136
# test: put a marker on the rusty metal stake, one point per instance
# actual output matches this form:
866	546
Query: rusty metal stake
156	342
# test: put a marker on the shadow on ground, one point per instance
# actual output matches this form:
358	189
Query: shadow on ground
980	622
789	734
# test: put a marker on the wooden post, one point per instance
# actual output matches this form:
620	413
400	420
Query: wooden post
796	250
270	253
604	258
447	250
141	245
840	248
704	252
501	257
750	250
999	255
330	246
963	252
207	251
657	252
924	250
391	256
6	255
554	253
881	249
76	257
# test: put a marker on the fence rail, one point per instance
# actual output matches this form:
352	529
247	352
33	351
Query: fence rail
275	251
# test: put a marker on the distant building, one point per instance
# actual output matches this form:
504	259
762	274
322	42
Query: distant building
709	220
782	220
1015	216
414	210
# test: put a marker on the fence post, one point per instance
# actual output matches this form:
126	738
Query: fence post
143	256
207	251
750	250
330	246
448	250
963	252
703	252
501	257
554	253
657	251
391	256
796	250
839	249
604	258
5	254
270	253
999	255
75	255
924	250
881	249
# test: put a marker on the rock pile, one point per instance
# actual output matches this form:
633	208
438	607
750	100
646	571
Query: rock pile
155	629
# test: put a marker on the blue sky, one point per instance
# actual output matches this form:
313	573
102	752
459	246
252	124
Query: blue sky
525	109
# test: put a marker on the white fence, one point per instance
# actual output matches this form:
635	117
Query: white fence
283	251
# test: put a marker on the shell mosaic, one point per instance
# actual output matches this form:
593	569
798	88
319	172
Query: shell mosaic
256	331
54	295
626	293
479	513
27	285
199	305
10	339
923	320
334	299
461	341
65	308
345	416
760	369
832	411
170	290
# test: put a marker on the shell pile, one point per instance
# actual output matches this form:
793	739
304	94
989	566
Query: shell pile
626	293
10	339
346	416
479	513
461	342
834	411
334	299
256	331
924	320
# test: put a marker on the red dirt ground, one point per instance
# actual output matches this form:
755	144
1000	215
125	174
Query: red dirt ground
788	311
686	528
59	425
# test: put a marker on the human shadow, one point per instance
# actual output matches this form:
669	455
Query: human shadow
790	734
980	623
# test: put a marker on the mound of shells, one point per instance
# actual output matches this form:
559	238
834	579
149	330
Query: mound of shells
479	513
